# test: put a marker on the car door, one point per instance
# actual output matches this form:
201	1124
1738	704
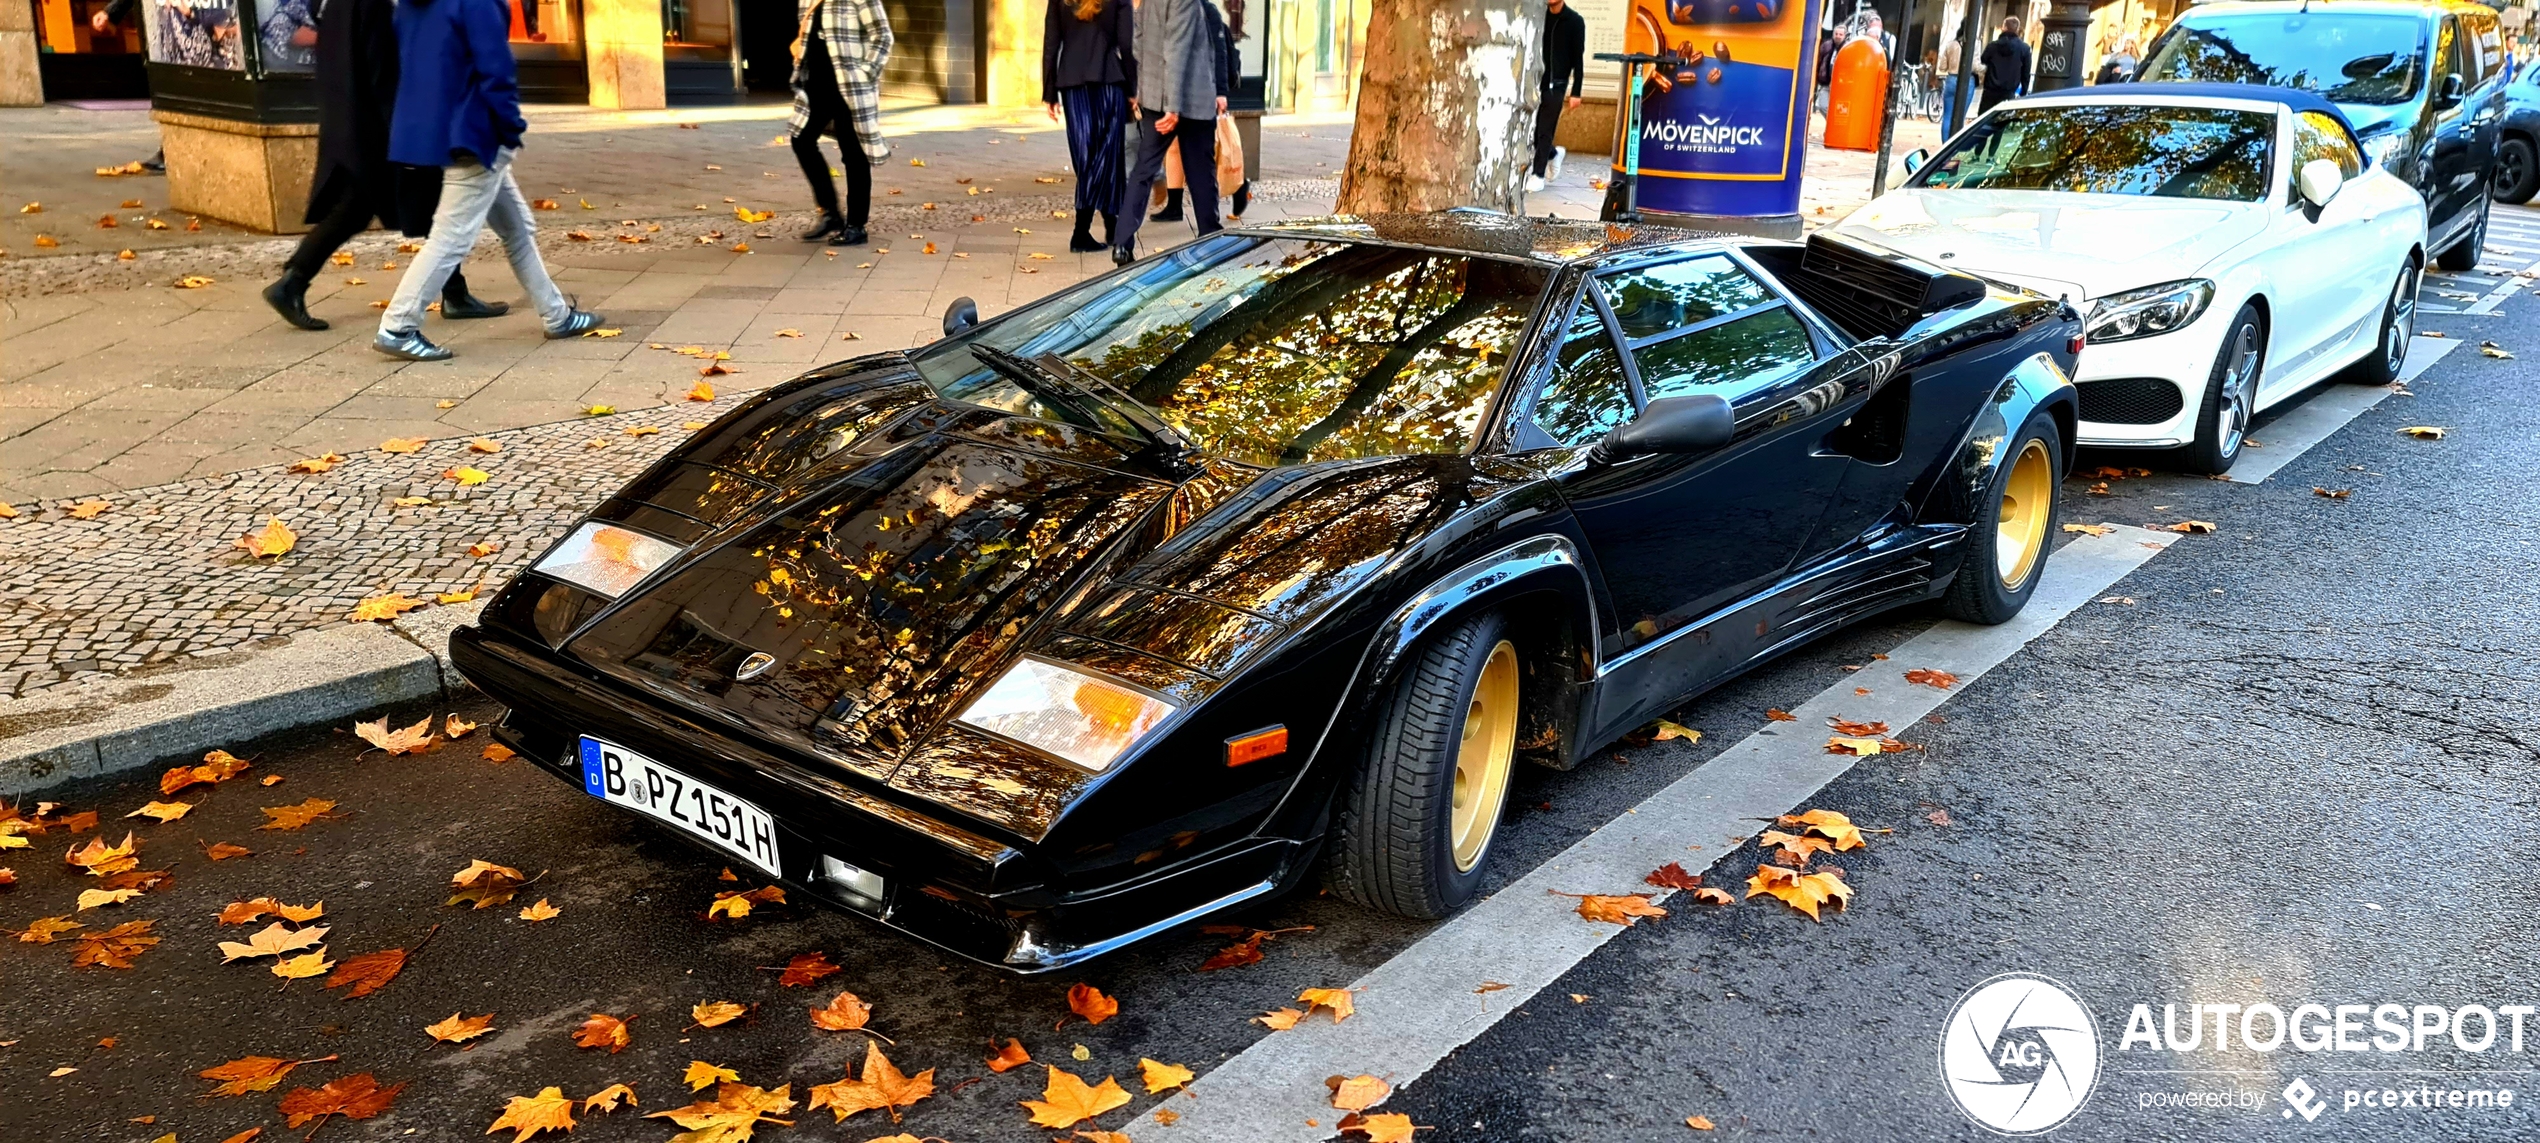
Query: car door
2450	205
2319	266
2482	47
1677	537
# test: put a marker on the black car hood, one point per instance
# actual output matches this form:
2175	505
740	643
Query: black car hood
880	596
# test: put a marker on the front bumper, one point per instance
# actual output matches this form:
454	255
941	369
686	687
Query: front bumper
987	898
2119	378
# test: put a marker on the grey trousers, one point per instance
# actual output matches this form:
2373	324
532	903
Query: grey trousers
475	196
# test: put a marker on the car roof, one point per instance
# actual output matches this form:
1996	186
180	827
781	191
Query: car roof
2165	92
2387	7
1543	240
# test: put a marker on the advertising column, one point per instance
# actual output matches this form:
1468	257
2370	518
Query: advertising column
1724	132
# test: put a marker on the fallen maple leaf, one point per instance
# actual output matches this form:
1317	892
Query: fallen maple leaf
602	332
497	752
486	884
715	1014
1662	730
2089	529
384	607
1281	1019
274	539
100	859
1068	1101
460	1028
542	911
223	851
736	1111
1384	1127
701	391
94	898
163	811
702	1075
598	410
1710	896
1336	999
1673	876
356	1096
844	1013
483	548
1243	952
1160	1076
1699	1122
1777	714
251	1073
1929	677
368	973
2425	432
462	595
807	968
2331	493
1861	746
88	509
294	817
1625	909
218	766
1357	1093
468	476
1089	1002
2196	527
403	444
602	1031
527	1115
1801	891
607	1098
1794	849
1830	825
1009	1057
412	740
303	966
737	905
882	1086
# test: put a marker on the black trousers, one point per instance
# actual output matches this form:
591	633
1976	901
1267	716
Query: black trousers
1547	123
351	215
1990	97
1198	138
829	116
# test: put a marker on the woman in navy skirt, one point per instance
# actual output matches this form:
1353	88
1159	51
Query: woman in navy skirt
1087	66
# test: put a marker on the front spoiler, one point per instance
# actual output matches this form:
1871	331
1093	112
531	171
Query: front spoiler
962	891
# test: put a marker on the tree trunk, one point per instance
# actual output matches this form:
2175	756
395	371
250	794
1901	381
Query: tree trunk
1446	113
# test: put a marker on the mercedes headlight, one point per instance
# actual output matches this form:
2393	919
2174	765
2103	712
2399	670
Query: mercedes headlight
605	558
1082	717
2150	310
2388	149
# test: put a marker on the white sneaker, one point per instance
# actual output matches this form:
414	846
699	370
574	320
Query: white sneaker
1554	171
1534	183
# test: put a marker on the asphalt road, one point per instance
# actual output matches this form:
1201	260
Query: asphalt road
2295	768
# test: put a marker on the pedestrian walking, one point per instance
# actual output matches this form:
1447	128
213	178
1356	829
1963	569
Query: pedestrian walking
1088	69
356	77
458	108
1564	66
105	20
838	92
1229	145
2120	65
2006	63
1181	90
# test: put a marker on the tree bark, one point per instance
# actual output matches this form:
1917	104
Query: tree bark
1446	112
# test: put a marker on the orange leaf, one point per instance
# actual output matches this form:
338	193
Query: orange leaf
602	1032
845	1013
384	607
1243	952
1068	1101
1625	910
1931	678
1282	1019
1161	1076
252	1073
607	1098
1386	1127
368	973
223	851
881	1087
1699	1122
356	1096
1673	876
701	391
294	817
1089	1002
497	752
458	1028
715	1014
402	444
1801	891
1357	1093
527	1115
1009	1057
1335	999
806	969
1714	896
1830	825
273	539
736	1110
542	911
412	740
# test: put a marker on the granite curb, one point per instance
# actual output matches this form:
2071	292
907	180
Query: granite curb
85	728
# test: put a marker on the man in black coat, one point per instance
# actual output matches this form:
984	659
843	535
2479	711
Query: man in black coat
1564	66
357	89
2006	64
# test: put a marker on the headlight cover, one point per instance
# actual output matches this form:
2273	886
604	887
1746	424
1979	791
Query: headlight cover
1074	714
2387	149
606	558
2149	311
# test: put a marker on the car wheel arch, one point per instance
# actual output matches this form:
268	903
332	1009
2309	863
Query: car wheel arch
1543	583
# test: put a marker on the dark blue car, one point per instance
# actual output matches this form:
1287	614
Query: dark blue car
2423	82
2517	175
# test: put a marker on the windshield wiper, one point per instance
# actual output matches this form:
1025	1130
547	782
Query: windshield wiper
1167	450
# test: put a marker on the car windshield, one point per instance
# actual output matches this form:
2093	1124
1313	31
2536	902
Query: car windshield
2173	152
1271	351
2346	57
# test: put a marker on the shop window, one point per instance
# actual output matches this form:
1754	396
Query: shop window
555	22
696	24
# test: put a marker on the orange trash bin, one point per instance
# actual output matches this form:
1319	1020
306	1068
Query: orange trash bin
1857	96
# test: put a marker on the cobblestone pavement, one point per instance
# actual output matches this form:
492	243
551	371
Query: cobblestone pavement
180	408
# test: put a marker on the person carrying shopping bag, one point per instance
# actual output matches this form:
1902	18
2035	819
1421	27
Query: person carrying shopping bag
838	92
1087	68
458	108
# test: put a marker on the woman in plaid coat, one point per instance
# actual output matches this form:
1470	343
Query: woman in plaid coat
837	91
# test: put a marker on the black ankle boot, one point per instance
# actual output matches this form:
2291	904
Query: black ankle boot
1110	226
1083	240
847	236
290	298
459	305
1243	198
1172	211
830	225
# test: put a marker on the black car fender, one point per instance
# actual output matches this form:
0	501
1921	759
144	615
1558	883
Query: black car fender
2036	382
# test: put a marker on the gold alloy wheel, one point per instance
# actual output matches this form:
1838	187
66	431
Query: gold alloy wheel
1483	760
2019	529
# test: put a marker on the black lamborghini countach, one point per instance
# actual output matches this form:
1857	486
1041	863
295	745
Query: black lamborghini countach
1264	559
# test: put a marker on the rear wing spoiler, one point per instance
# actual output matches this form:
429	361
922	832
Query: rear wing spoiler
1872	291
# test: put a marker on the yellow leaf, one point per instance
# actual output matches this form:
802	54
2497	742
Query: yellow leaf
411	501
542	911
702	1075
602	332
643	430
304	966
274	539
164	811
482	445
735	907
607	1098
789	333
458	1028
882	1087
124	255
317	463
1699	1122
2425	432
1337	1000
462	595
715	1014
1830	825
1801	891
1162	1076
89	509
599	410
275	940
1068	1101
1667	730
1384	1127
528	1115
402	444
455	727
845	1013
692	426
468	476
92	898
1279	1019
483	548
1358	1093
192	282
410	740
737	1109
1847	744
745	214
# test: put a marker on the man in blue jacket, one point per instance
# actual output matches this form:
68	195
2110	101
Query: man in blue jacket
458	108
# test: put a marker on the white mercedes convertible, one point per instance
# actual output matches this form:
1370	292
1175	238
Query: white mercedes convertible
2231	246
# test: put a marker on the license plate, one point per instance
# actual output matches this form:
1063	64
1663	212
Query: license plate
613	773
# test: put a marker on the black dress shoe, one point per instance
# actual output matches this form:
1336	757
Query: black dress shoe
848	236
467	306
290	298
1172	212
1122	256
830	226
1083	241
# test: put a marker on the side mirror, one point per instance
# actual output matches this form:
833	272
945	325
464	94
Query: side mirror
2318	181
2449	95
1697	423
1915	159
960	315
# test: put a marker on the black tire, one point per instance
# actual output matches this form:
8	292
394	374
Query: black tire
2231	395
1983	593
2517	175
2465	254
2398	325
1392	844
